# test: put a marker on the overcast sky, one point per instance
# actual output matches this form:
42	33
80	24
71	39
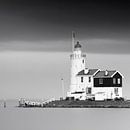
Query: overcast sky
47	25
35	43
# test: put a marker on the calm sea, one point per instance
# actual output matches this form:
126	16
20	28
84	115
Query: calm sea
13	118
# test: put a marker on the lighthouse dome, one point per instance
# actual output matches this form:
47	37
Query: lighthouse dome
77	45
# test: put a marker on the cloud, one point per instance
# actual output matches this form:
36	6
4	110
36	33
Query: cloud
107	46
89	46
35	46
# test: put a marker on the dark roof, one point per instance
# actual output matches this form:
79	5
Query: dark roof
77	45
101	74
90	72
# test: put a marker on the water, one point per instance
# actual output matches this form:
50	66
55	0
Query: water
12	118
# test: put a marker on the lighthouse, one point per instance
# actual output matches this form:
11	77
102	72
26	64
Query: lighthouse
89	83
77	59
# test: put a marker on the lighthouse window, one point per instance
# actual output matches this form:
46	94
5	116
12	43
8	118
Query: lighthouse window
83	61
81	79
119	80
89	79
100	81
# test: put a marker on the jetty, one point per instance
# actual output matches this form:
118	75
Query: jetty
76	104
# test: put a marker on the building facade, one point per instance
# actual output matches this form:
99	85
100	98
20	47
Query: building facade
92	83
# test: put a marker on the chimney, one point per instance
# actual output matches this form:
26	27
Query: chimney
106	72
86	70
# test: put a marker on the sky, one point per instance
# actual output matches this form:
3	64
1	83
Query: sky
47	25
35	43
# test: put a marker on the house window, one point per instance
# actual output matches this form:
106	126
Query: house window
114	80
89	90
89	79
118	80
81	79
100	81
116	91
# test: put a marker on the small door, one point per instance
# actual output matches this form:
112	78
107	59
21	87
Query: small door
89	90
116	91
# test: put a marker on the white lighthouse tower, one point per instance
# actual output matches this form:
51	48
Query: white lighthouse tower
77	64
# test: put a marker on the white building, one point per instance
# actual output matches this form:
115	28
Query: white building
92	83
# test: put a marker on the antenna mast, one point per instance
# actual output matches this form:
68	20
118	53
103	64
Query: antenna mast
62	84
73	40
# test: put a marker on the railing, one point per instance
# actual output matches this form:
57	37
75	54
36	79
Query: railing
28	103
77	56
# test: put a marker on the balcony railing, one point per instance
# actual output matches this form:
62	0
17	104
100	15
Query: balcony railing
77	56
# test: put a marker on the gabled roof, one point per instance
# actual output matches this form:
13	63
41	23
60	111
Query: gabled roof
119	73
101	74
90	72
